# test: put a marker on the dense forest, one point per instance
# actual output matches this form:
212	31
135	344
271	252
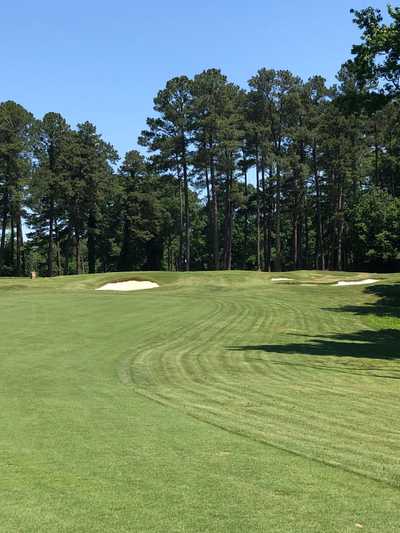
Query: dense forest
284	174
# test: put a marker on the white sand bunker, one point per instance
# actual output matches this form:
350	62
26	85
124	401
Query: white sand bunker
281	279
128	286
362	282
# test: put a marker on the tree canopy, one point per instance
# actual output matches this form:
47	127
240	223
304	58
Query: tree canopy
282	174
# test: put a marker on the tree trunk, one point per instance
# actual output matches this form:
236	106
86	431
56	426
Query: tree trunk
209	218
300	203
269	225
269	245
229	264
91	242
264	215
246	219
228	224
19	243
68	251
50	244
187	213
340	224
214	215
180	260
58	251
258	210
295	240
12	242
77	252
300	240
278	221
3	231
320	255
307	241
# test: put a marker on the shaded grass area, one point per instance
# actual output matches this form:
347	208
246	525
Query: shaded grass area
381	344
219	402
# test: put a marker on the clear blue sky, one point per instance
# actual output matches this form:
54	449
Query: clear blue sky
104	61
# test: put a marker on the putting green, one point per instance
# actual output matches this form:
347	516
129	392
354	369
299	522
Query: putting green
218	402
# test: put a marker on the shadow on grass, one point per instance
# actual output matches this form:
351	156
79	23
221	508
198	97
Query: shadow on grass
387	303
382	344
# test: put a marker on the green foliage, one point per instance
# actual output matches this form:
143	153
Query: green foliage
377	57
17	137
272	178
141	215
376	223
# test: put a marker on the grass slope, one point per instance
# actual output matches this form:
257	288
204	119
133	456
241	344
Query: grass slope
219	402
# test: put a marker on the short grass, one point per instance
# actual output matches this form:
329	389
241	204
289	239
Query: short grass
220	402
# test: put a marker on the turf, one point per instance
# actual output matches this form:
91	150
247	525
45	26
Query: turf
218	402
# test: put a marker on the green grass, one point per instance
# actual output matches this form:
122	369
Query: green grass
220	402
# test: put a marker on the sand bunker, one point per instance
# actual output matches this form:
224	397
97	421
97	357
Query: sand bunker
281	279
128	286
362	282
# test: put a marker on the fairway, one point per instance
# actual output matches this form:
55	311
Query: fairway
218	402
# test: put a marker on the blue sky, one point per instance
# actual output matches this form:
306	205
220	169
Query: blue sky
104	61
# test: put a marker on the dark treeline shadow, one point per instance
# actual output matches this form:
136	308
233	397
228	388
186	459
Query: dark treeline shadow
387	303
380	344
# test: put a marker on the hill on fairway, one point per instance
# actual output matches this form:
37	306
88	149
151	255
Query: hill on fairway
219	402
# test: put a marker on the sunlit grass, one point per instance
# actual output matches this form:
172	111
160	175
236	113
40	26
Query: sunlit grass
218	402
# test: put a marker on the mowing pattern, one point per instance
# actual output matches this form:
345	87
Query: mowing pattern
250	364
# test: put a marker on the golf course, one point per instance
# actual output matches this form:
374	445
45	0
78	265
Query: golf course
216	402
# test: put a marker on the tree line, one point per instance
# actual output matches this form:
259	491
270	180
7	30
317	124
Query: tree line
284	174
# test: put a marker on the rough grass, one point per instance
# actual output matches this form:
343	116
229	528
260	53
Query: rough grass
218	402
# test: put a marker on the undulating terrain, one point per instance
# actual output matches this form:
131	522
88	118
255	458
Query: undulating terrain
219	402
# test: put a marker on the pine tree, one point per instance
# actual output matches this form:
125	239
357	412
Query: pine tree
17	137
169	136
